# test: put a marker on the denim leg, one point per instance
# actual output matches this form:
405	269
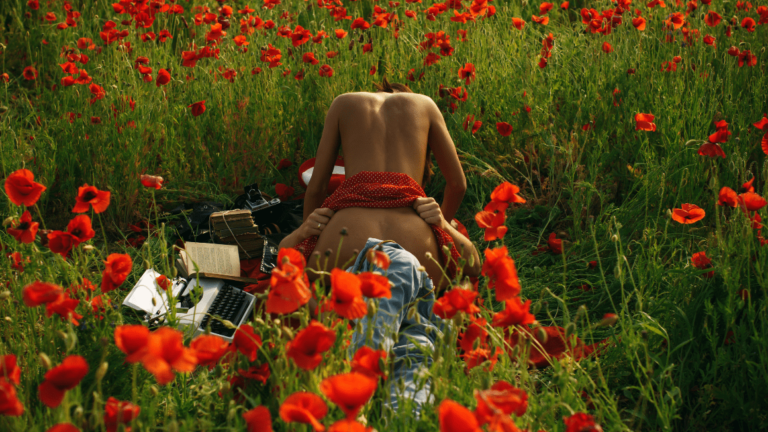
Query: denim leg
407	337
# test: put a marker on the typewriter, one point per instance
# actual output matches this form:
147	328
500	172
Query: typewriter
199	306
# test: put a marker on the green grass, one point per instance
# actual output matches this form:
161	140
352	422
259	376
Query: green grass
606	190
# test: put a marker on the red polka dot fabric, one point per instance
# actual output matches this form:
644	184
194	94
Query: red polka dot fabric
371	189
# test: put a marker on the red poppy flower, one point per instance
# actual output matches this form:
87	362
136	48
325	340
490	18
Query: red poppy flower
751	201
764	143
151	181
62	378
24	230
246	342
119	412
374	285
360	23
700	261
9	369
545	7
307	347
117	269
712	18
132	341
501	271
710	40
65	308
581	422
257	373
748	186
493	223
10	405
504	128
564	5
639	23
349	391
748	24
289	284
197	108
163	282
326	71
165	353
284	191
455	301
467	73
33	4
475	336
455	418
747	58
38	293
258	419
368	361
163	77
543	20
727	197
378	258
346	295
518	23
503	398
555	245
507	192
80	228
349	425
304	407
431	59
607	48
61	242
30	73
22	188
515	313
688	214
711	150
645	122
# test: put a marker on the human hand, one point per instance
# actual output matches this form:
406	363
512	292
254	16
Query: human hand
430	211
316	222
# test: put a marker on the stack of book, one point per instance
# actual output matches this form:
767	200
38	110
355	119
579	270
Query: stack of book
236	227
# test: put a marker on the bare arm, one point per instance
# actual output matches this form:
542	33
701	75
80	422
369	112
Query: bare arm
445	153
327	151
430	211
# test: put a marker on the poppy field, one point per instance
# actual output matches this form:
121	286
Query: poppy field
615	155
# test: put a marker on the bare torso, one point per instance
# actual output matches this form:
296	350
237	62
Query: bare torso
383	132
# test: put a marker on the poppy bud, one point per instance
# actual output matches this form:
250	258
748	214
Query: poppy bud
541	335
218	371
351	44
276	322
4	295
89	248
471	260
536	308
154	302
288	332
428	256
669	213
78	414
147	264
569	330
421	269
101	371
8	319
7	221
446	250
609	320
580	312
173	427
344	231
62	335
383	364
328	252
372	308
411	313
228	324
175	272
614	238
45	360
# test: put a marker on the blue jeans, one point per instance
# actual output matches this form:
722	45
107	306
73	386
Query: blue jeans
408	337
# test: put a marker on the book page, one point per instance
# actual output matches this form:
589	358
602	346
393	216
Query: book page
212	258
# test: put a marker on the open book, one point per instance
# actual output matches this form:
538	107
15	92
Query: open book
210	260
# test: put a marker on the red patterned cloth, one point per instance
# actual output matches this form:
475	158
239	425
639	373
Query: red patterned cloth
370	189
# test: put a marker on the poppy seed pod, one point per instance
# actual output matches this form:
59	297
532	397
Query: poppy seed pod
45	360
569	330
101	371
428	255
344	231
541	335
